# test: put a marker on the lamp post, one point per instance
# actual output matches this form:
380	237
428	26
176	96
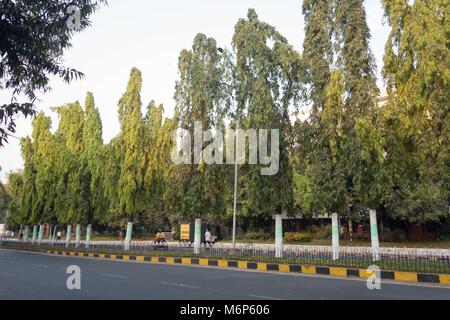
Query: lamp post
235	158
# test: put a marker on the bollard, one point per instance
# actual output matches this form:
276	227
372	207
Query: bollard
77	236
374	235
25	233
88	235
41	233
53	236
278	236
197	235
34	234
335	235
128	236
69	235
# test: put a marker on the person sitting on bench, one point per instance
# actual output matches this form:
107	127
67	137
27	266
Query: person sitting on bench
160	237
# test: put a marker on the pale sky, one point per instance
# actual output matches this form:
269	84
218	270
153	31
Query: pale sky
149	35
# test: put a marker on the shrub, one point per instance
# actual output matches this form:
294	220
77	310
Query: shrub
256	235
323	232
298	236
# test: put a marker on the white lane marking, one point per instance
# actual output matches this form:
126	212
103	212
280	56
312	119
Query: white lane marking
40	265
263	297
114	276
179	285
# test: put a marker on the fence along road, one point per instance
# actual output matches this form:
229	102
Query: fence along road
430	262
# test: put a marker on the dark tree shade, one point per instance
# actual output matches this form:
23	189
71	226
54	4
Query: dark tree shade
33	37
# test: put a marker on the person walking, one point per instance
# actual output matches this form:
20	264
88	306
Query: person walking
58	235
208	237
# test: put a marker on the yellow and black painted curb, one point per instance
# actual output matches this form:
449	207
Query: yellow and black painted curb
443	279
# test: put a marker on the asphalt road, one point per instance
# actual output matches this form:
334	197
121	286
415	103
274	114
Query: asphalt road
25	275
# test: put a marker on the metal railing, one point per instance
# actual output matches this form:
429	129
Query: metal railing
395	261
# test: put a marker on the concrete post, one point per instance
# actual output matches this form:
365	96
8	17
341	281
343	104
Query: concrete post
88	235
68	235
374	235
41	233
128	236
335	235
278	236
78	235
197	235
54	234
25	233
34	234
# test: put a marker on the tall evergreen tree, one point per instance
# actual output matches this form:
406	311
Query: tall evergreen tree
113	154
73	186
199	93
362	146
43	153
417	120
29	177
158	148
318	56
269	83
130	185
318	48
11	200
355	57
328	160
93	158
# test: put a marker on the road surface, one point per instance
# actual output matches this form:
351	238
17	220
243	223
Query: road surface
26	275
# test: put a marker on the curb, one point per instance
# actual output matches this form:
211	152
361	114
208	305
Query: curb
443	279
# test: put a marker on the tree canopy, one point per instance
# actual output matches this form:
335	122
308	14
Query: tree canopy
348	155
34	35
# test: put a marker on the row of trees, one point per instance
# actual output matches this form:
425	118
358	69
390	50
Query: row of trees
348	156
353	154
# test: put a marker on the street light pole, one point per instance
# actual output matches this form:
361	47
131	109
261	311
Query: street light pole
235	184
235	164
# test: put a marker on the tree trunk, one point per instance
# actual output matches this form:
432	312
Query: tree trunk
350	229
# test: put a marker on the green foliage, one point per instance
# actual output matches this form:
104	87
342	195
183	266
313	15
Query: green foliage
348	156
197	190
268	82
5	199
342	145
43	155
417	118
93	160
129	186
297	236
318	48
16	214
34	37
256	235
72	202
303	195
